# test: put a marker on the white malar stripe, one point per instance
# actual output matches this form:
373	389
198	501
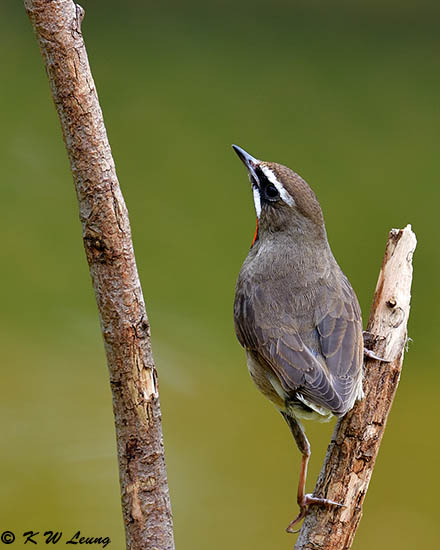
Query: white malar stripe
283	193
257	200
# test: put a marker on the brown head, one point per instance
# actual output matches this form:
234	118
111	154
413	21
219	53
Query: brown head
283	200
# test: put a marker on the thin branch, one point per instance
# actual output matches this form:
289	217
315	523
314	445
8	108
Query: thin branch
109	250
352	453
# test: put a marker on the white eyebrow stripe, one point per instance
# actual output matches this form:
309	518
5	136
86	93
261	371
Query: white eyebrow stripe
273	179
257	200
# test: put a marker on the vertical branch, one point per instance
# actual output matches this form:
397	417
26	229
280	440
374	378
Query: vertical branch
352	453
109	251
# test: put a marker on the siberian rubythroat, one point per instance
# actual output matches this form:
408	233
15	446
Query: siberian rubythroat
295	312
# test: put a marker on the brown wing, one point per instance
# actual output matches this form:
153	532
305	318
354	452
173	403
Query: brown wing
302	371
321	359
340	336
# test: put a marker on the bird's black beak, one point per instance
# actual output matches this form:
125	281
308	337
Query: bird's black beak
251	164
249	161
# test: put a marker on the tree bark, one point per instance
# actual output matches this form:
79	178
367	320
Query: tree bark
109	250
352	453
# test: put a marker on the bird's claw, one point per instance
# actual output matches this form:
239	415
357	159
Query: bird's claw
307	501
371	355
370	340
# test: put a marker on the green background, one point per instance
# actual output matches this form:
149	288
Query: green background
345	93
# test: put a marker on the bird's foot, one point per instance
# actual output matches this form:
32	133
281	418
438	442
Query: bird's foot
309	500
371	355
370	340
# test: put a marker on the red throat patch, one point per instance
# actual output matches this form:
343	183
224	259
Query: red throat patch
256	235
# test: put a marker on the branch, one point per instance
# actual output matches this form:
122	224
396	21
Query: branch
108	245
353	450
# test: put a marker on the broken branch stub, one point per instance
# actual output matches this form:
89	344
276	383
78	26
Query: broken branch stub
352	453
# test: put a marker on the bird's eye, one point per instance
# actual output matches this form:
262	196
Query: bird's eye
271	192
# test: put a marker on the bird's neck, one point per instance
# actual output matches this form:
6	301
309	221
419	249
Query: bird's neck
304	258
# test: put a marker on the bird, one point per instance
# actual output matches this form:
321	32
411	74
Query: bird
295	313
